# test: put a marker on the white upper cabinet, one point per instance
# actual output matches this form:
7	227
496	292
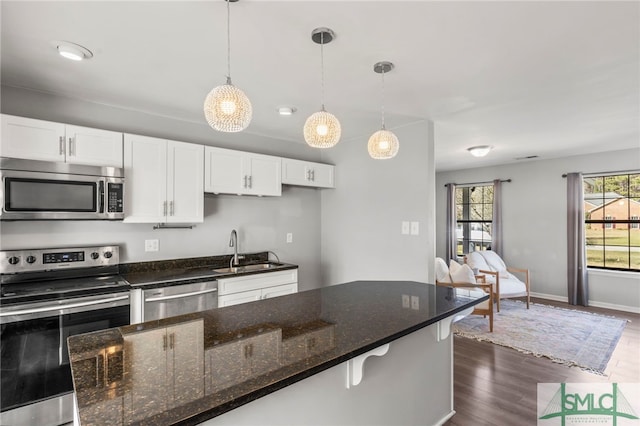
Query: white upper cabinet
305	173
48	141
164	180
235	172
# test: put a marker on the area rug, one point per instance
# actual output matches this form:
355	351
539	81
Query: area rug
566	336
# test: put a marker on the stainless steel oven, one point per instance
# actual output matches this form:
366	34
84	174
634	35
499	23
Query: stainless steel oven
47	296
37	190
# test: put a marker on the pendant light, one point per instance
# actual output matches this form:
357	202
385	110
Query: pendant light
383	144
227	108
322	129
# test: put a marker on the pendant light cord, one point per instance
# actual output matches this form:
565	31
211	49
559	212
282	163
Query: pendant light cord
383	99
228	42
322	69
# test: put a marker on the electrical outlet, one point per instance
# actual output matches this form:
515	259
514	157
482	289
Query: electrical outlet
405	228
405	301
415	303
151	245
415	228
289	237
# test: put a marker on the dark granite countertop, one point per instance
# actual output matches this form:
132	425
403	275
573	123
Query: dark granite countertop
224	358
165	273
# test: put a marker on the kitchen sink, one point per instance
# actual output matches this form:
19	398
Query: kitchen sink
248	268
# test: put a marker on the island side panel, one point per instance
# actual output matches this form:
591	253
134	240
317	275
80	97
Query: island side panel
410	385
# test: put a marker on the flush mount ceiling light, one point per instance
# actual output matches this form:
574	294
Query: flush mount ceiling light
322	129
227	108
73	51
383	144
480	150
286	110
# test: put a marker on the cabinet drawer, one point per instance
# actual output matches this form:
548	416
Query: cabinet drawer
257	281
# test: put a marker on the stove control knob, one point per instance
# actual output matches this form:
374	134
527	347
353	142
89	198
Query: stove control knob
95	255
31	259
108	254
14	260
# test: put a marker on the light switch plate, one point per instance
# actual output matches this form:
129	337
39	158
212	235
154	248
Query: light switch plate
405	228
151	245
415	228
289	237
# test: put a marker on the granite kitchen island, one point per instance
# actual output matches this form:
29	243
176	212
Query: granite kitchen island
365	352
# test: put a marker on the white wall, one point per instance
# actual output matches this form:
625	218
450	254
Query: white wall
361	218
262	222
534	223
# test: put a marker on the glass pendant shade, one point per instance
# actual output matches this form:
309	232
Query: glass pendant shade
322	130
227	108
383	145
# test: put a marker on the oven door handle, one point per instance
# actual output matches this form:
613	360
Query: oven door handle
61	307
180	296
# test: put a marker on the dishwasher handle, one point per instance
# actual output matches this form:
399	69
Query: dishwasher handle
180	295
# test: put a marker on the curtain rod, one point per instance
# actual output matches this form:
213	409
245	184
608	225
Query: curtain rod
477	183
619	172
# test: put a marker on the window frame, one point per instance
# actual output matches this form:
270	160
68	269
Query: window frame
609	223
467	223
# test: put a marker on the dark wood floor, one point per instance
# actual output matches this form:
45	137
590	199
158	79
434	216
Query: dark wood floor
495	385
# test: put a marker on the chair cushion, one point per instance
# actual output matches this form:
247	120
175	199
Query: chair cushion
461	273
442	271
512	287
496	263
475	260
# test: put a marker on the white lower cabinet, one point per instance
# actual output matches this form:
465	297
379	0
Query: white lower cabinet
245	354
169	367
249	288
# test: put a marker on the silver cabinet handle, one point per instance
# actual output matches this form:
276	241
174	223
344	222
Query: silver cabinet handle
250	181
164	342
308	174
245	181
180	296
164	208
171	208
313	175
72	148
172	340
62	145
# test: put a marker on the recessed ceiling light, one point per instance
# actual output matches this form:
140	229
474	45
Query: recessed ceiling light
480	150
286	110
73	51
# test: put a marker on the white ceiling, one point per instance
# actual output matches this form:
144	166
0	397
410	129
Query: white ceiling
530	78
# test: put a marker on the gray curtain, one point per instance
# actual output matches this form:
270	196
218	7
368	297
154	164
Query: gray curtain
451	243
577	279
496	235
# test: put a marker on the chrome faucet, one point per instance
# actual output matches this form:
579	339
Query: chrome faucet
233	242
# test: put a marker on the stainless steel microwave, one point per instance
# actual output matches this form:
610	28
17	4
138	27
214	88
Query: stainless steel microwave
43	190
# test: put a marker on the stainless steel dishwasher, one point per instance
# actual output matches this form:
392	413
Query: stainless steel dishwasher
179	299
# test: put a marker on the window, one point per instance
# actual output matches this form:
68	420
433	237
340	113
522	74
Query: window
474	218
612	221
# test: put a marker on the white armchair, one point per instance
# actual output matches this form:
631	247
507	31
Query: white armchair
506	284
461	278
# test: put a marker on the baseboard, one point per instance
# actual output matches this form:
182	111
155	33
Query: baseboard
596	304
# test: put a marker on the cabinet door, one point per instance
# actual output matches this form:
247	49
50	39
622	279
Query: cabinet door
225	366
264	352
93	146
322	175
185	180
145	168
145	374
280	290
224	171
264	175
32	139
257	281
237	298
305	173
186	359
